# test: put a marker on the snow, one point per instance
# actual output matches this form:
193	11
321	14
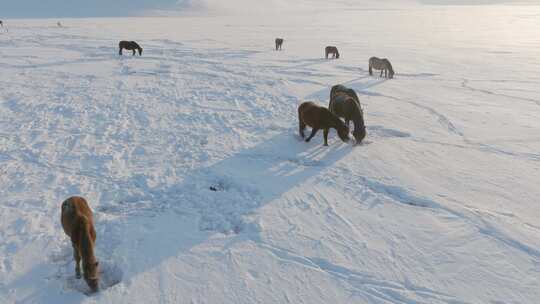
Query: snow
438	205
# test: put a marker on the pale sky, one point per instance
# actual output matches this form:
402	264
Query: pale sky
112	8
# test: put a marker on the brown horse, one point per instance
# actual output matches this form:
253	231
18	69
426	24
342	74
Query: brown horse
1	23
77	222
381	64
310	114
129	45
279	43
345	103
331	50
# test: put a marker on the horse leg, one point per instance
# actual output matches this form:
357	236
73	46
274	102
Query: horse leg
120	52
381	73
325	133
313	132
133	52
77	258
301	128
370	70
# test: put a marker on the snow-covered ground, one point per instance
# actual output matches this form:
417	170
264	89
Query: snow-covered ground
438	205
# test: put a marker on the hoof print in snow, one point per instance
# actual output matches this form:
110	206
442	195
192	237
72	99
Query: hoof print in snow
381	131
109	275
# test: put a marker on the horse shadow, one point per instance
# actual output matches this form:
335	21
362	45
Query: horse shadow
139	230
360	85
219	199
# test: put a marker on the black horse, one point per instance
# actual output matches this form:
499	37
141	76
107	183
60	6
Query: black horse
279	43
345	103
129	45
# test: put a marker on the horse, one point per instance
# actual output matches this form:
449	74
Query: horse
331	50
1	23
59	24
77	221
381	64
317	117
129	45
279	43
345	103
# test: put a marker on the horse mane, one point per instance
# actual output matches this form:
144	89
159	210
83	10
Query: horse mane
360	112
389	65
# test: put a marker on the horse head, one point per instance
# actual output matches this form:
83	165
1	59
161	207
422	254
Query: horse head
91	275
359	135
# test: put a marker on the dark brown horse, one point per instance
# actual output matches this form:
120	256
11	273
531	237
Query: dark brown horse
78	224
1	23
279	43
310	114
331	50
345	103
129	45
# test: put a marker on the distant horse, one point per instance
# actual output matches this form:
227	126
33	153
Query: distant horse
345	103
381	64
310	114
78	224
331	50
59	24
279	43
1	23
129	45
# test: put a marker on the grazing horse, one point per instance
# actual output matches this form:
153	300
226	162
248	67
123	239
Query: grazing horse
129	45
310	114
381	64
279	43
331	50
78	224
345	103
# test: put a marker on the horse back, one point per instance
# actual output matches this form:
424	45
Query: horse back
316	116
75	211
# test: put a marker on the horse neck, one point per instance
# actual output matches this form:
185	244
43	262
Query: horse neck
389	66
357	117
86	242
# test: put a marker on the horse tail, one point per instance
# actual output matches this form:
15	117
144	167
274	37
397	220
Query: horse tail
86	238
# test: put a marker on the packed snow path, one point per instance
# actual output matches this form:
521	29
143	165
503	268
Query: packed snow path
439	205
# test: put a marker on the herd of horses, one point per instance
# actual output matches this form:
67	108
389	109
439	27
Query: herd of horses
76	216
344	103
